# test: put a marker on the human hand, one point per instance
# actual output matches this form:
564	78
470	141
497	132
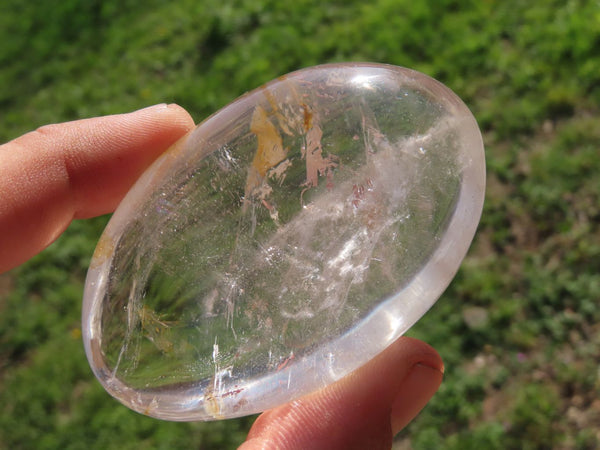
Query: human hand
83	169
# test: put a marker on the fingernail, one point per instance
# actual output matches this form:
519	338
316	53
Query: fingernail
417	389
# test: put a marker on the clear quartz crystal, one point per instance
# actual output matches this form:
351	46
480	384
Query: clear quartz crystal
284	242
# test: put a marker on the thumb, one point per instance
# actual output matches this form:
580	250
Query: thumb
76	170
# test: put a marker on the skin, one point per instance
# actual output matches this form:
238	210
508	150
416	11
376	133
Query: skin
82	169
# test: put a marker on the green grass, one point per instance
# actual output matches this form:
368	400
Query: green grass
525	377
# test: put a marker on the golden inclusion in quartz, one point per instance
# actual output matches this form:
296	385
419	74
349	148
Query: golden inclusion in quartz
284	242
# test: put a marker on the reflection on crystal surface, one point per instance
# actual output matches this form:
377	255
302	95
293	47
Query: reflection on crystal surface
284	242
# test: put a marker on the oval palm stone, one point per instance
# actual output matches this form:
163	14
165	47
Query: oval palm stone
284	242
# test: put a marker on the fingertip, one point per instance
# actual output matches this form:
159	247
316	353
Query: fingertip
417	351
130	143
179	109
416	390
181	116
398	359
176	117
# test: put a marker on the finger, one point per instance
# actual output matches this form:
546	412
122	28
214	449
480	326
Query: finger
363	410
76	170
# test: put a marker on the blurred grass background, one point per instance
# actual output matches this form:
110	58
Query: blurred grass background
518	328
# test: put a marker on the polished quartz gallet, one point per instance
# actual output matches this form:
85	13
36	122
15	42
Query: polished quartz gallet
284	242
